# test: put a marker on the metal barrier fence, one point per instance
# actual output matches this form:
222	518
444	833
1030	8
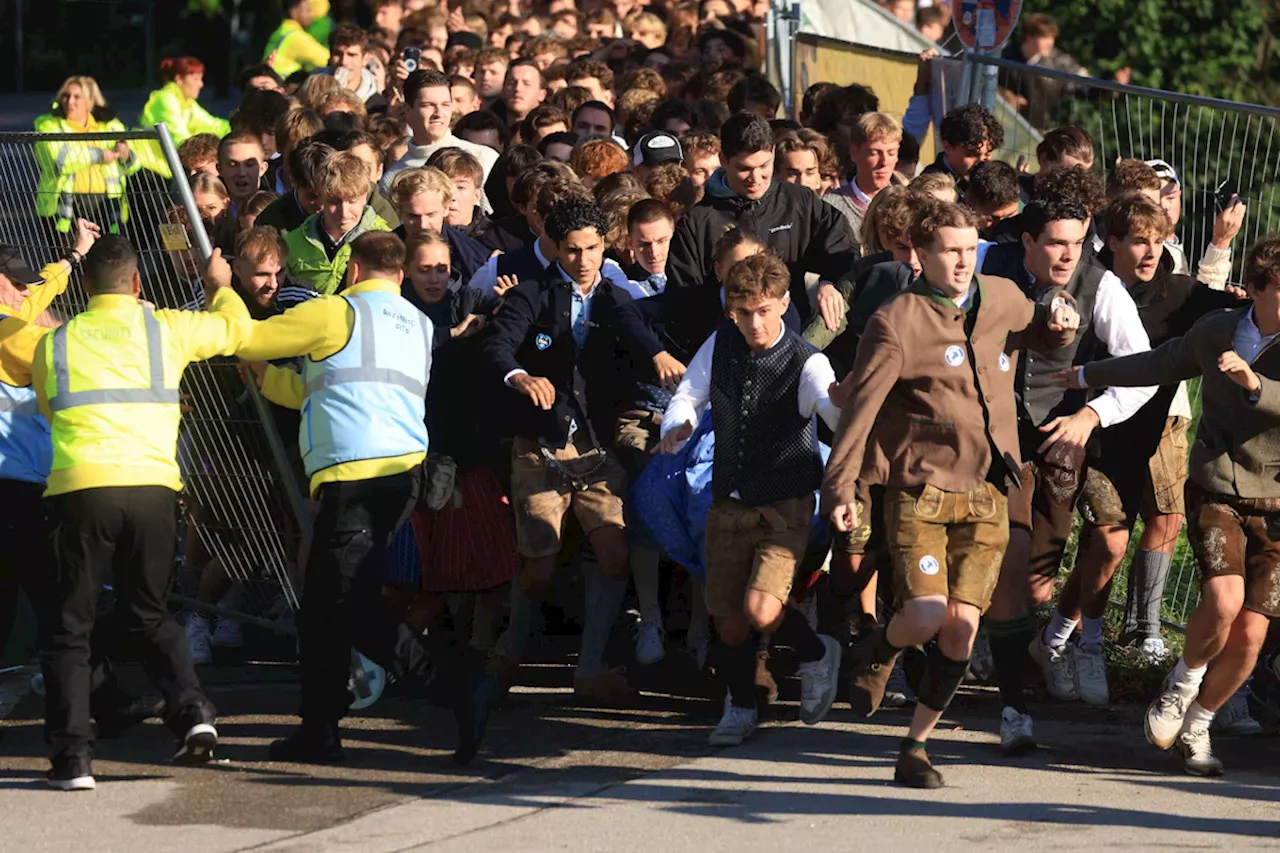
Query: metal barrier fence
1217	147
243	514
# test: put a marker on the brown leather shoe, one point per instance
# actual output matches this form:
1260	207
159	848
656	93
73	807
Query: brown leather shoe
766	686
866	688
609	687
915	770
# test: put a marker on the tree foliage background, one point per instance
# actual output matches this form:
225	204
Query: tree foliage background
1219	48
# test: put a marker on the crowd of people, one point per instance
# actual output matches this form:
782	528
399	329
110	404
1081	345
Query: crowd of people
497	265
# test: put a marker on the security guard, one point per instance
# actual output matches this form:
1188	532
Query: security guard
363	438
25	450
107	381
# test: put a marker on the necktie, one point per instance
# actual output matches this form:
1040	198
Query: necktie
579	321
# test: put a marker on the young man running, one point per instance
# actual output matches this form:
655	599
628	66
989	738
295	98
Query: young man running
929	414
1233	500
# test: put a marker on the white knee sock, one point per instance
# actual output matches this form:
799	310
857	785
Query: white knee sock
1059	630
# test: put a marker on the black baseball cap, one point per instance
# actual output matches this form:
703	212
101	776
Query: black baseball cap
657	147
15	268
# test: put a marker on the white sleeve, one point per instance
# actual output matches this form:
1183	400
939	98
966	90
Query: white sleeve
485	278
815	386
691	398
1119	328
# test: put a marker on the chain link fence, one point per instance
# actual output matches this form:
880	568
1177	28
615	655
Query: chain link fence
244	518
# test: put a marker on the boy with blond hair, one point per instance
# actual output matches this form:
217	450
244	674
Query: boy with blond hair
873	151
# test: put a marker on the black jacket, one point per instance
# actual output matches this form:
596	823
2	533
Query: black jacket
507	234
533	332
940	166
458	302
807	233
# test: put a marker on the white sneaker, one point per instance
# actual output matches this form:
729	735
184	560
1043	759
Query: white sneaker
1196	752
1166	713
818	682
697	646
1015	732
1234	718
809	607
199	640
735	726
1056	664
1154	650
650	642
1090	663
227	634
897	692
982	666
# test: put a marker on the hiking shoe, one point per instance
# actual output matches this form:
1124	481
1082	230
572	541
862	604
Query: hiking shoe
1196	752
818	682
915	770
1015	732
1166	714
1056	664
1090	663
735	726
650	642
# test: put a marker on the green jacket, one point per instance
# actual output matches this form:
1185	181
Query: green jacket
68	167
309	265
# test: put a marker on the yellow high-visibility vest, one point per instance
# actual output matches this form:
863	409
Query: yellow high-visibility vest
113	394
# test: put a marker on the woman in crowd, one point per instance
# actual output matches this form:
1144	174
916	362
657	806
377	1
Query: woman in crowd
82	179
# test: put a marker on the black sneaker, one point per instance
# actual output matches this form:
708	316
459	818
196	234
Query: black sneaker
480	690
71	774
915	770
115	722
310	745
197	745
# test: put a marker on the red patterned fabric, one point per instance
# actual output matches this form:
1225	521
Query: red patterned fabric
472	547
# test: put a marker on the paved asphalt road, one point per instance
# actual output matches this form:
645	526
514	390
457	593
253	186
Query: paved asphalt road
557	775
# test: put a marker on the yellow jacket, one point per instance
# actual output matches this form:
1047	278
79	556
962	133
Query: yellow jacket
317	328
291	49
40	296
187	336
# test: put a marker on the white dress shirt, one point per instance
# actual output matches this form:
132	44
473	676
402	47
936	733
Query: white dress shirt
694	394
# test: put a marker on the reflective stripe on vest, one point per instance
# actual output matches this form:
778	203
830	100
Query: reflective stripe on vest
64	398
366	372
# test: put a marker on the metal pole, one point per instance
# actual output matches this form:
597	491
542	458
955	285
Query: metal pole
18	47
184	192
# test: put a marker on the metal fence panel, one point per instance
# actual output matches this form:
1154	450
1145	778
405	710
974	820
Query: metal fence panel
241	503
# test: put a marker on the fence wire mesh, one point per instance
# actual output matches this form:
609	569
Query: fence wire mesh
240	518
1218	148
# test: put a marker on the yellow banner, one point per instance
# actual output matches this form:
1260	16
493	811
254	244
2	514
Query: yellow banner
891	75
